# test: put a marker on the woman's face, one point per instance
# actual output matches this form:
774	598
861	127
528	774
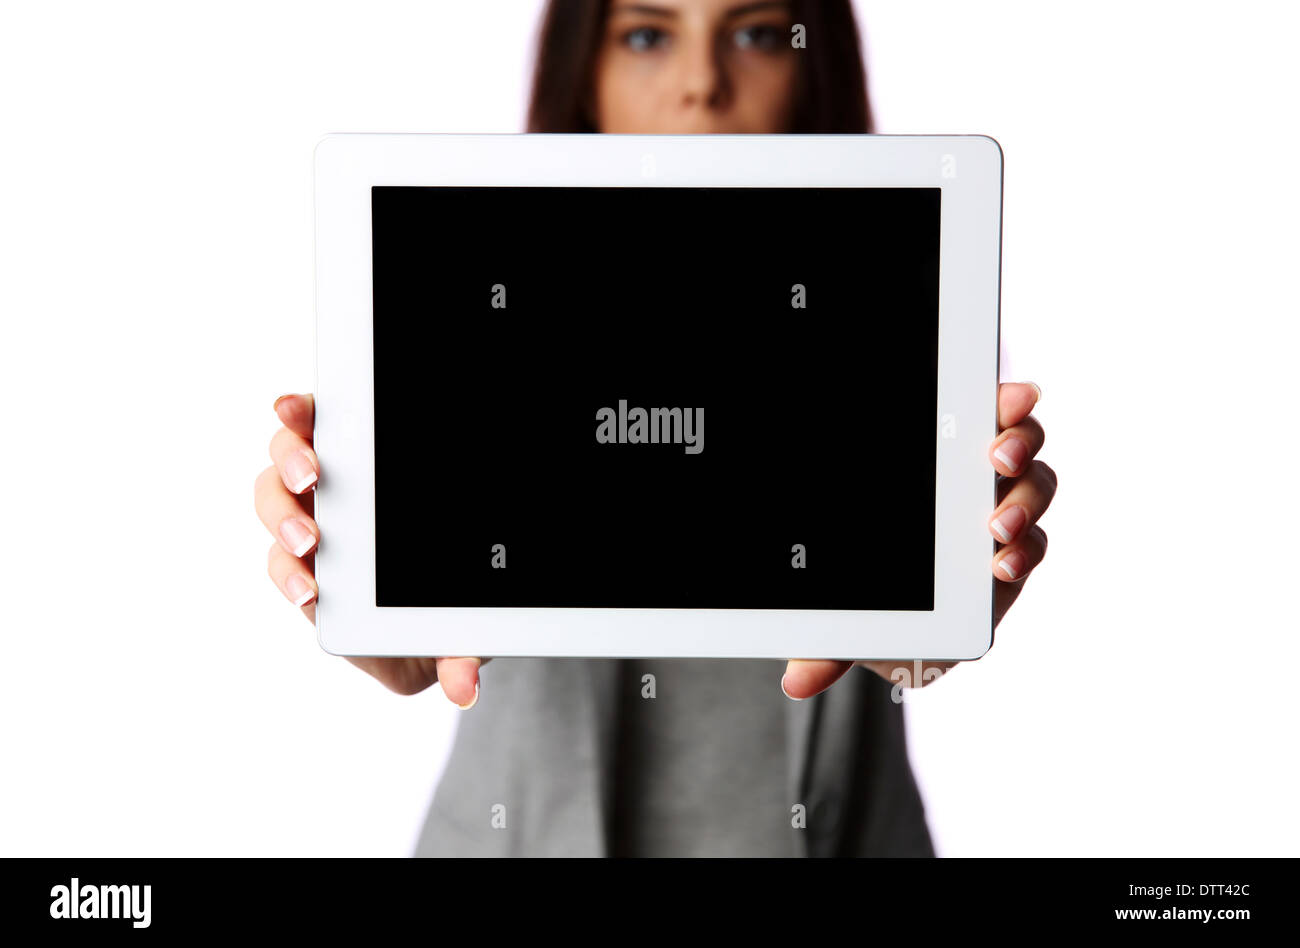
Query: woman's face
684	67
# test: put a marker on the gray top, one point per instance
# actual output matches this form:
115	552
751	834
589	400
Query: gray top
588	757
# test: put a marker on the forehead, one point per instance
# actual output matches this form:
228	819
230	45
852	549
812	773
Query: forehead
678	10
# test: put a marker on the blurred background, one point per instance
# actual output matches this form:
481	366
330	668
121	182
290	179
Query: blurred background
158	696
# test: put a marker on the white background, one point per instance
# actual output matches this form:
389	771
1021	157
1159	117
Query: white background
158	696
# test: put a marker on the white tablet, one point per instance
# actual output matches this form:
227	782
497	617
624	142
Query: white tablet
699	396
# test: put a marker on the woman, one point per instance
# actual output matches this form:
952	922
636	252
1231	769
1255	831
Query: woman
572	756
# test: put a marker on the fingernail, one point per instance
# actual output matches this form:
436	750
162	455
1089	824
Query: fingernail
296	536
299	473
298	589
1038	392
1013	565
1008	523
786	693
1011	453
276	406
473	701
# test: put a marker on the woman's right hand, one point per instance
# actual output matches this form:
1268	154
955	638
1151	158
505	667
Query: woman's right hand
284	497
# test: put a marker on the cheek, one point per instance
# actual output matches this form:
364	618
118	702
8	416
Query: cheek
620	96
627	97
767	95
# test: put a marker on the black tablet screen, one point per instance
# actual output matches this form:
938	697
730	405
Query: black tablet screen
656	397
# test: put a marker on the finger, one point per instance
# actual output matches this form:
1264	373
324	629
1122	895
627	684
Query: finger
1014	562
1015	401
295	459
1015	447
297	413
1024	500
806	677
292	577
459	679
283	515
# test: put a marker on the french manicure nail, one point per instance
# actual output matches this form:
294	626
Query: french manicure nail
296	536
299	474
1011	453
1008	523
298	589
473	701
1011	565
786	693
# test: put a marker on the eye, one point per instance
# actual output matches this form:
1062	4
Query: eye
765	38
644	38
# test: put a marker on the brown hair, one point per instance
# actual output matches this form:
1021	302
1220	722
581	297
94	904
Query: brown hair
831	93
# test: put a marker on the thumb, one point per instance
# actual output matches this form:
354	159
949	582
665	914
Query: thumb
806	677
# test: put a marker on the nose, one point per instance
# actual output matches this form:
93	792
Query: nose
704	81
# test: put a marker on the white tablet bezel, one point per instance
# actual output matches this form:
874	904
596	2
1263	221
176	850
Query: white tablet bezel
967	168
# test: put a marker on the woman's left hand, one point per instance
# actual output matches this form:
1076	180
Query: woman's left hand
1025	489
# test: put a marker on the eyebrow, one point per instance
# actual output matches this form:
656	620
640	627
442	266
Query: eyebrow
737	11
